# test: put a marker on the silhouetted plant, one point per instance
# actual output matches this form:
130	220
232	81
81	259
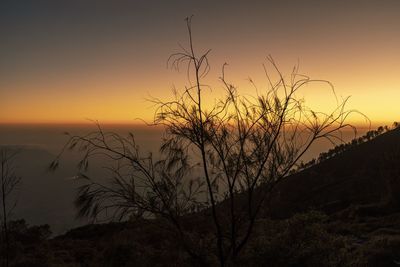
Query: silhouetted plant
9	182
302	240
138	186
242	146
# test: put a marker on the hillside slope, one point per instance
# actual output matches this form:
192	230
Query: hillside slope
363	174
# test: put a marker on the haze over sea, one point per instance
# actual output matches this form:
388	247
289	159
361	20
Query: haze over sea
46	197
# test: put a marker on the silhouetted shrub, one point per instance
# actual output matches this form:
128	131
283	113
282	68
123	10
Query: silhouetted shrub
21	232
380	251
119	255
299	241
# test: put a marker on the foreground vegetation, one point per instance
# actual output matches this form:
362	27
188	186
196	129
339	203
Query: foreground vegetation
306	239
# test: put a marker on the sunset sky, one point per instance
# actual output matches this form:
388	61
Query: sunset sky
68	61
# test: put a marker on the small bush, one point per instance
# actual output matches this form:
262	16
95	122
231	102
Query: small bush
299	241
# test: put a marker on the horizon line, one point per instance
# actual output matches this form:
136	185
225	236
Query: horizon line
358	125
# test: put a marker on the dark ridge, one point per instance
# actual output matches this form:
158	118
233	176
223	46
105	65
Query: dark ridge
362	174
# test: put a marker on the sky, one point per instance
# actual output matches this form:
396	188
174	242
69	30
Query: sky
70	61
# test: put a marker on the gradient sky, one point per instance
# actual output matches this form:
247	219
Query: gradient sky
66	61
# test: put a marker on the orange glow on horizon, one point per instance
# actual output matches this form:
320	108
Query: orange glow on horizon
105	67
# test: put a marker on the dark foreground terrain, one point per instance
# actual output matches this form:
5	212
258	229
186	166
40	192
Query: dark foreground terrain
343	211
